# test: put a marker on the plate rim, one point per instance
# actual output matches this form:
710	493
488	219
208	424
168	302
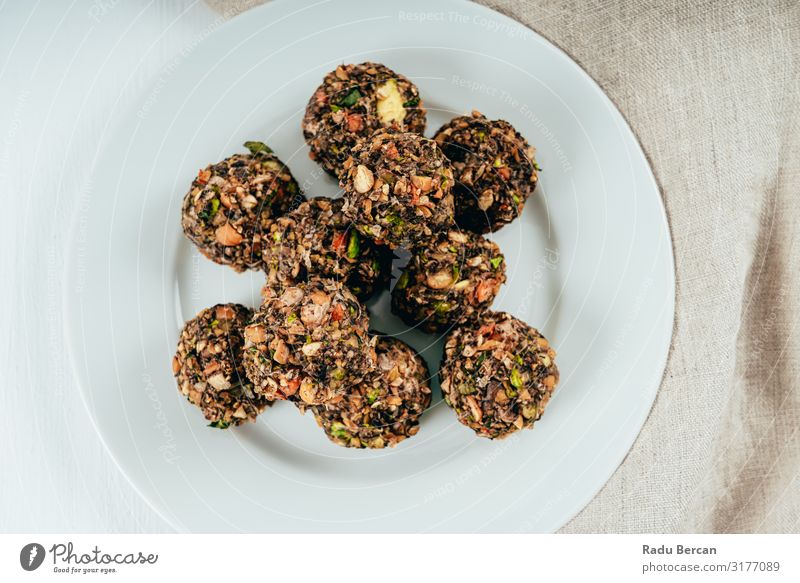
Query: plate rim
664	347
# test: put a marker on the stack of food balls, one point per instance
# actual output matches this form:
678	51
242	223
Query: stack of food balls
310	341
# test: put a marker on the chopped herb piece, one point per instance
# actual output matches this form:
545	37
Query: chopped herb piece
466	388
442	307
351	98
402	282
496	261
258	148
516	379
393	219
411	102
372	395
339	430
353	246
220	424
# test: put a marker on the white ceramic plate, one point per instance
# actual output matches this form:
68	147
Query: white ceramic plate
590	264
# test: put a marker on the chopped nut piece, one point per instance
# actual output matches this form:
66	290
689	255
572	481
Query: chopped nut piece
226	235
363	179
390	103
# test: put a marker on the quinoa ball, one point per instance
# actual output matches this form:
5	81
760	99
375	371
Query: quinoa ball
316	239
385	408
397	189
208	366
229	208
450	281
495	170
308	342
499	375
354	101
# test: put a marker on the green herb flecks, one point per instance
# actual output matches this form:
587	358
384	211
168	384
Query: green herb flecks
351	98
402	282
257	148
516	378
466	388
353	246
220	424
414	101
373	394
339	430
496	261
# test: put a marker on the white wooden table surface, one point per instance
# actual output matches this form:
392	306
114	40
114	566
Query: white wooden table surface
65	66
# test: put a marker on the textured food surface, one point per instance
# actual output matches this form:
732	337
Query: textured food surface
354	101
317	239
208	366
397	189
308	342
495	170
451	280
499	375
385	408
229	208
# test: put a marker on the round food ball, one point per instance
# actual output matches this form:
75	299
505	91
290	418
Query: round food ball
354	101
308	342
498	376
385	408
450	281
229	208
397	189
208	366
495	170
315	239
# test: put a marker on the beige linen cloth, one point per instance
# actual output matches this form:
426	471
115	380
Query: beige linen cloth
712	90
